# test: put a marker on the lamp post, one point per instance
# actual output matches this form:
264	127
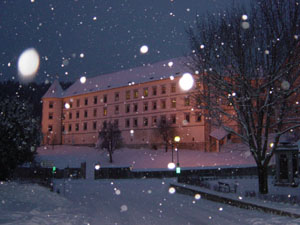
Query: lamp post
177	140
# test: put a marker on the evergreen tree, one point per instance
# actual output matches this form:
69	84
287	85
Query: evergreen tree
20	135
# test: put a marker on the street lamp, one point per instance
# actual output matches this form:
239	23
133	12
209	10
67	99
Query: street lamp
177	140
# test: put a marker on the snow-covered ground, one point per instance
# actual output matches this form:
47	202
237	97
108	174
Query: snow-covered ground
122	202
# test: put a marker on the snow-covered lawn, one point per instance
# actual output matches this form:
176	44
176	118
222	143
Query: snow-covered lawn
122	202
67	155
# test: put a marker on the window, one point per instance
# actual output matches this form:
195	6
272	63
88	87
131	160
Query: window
163	104
70	127
85	113
70	115
104	111
63	128
50	128
163	89
127	123
198	117
71	104
104	124
77	127
173	118
104	98
145	92
78	102
136	93
85	126
95	125
77	114
145	106
95	112
145	121
135	122
187	117
154	91
51	105
127	108
173	103
95	100
154	120
117	96
127	95
186	101
116	109
173	88
135	107
116	122
86	101
154	105
50	116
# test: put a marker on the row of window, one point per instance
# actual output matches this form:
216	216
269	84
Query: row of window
128	108
128	95
134	122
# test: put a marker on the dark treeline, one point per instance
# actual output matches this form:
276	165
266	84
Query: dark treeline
32	92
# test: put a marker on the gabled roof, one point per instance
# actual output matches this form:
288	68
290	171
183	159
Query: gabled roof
151	72
55	91
219	133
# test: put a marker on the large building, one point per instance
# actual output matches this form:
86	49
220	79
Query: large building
135	99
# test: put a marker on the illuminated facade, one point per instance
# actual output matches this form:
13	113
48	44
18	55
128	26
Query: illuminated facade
135	99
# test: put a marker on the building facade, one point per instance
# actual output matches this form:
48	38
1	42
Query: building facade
136	100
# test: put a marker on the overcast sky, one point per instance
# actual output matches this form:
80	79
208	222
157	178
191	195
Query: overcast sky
108	34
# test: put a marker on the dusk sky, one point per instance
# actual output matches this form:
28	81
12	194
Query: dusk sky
92	37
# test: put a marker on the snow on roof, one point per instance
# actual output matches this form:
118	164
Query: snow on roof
150	72
55	91
219	133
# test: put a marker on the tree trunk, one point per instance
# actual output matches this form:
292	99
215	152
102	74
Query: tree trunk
263	179
166	147
110	156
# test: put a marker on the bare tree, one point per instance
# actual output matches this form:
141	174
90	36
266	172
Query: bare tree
248	63
110	138
166	132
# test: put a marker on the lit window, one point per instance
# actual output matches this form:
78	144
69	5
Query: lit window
173	103
136	93
186	101
127	95
104	111
145	92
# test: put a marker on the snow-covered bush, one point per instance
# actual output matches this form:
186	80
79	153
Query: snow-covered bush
19	135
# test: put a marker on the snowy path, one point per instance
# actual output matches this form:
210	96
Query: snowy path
147	201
